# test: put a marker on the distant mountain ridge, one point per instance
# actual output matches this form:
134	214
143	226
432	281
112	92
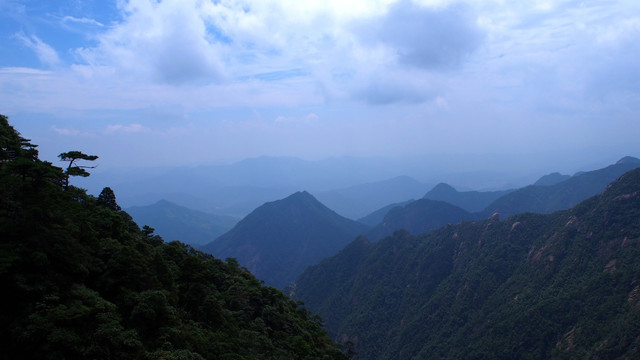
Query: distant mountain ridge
174	222
279	239
471	201
533	286
551	179
419	217
377	216
360	200
422	216
562	195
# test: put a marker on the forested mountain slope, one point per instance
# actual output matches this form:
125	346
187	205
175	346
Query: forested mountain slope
81	281
278	240
564	286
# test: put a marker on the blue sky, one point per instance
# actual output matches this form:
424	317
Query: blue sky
144	82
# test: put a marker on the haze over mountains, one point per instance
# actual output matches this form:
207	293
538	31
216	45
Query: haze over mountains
353	187
279	239
174	222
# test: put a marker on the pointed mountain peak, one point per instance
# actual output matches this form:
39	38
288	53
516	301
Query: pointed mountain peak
301	195
279	239
628	160
441	189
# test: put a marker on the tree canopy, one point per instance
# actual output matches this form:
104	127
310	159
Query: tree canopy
74	168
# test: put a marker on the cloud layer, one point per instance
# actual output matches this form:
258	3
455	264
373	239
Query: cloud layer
379	76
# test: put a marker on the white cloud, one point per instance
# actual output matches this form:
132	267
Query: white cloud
128	129
163	41
82	20
65	132
45	53
426	38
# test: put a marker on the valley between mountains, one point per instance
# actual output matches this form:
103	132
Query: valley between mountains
549	270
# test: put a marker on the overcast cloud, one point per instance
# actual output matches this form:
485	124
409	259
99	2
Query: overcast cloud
175	81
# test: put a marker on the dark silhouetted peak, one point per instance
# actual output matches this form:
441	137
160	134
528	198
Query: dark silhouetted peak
419	217
441	189
629	160
301	196
279	239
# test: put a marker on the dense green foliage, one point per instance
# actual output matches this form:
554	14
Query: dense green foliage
561	286
80	280
174	222
278	240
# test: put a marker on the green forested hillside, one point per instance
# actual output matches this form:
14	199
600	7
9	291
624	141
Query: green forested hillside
558	286
81	281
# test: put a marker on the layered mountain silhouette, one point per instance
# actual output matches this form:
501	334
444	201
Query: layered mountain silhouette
452	206
562	195
359	200
472	201
418	217
533	286
279	239
551	179
174	222
377	216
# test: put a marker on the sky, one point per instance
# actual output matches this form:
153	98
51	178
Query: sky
183	82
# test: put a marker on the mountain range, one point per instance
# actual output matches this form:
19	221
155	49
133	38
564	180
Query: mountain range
279	239
425	214
561	195
532	286
273	244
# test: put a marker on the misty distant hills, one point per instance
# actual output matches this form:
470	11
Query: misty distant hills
551	179
377	216
353	186
359	200
533	286
471	201
419	217
562	195
426	214
174	222
279	239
